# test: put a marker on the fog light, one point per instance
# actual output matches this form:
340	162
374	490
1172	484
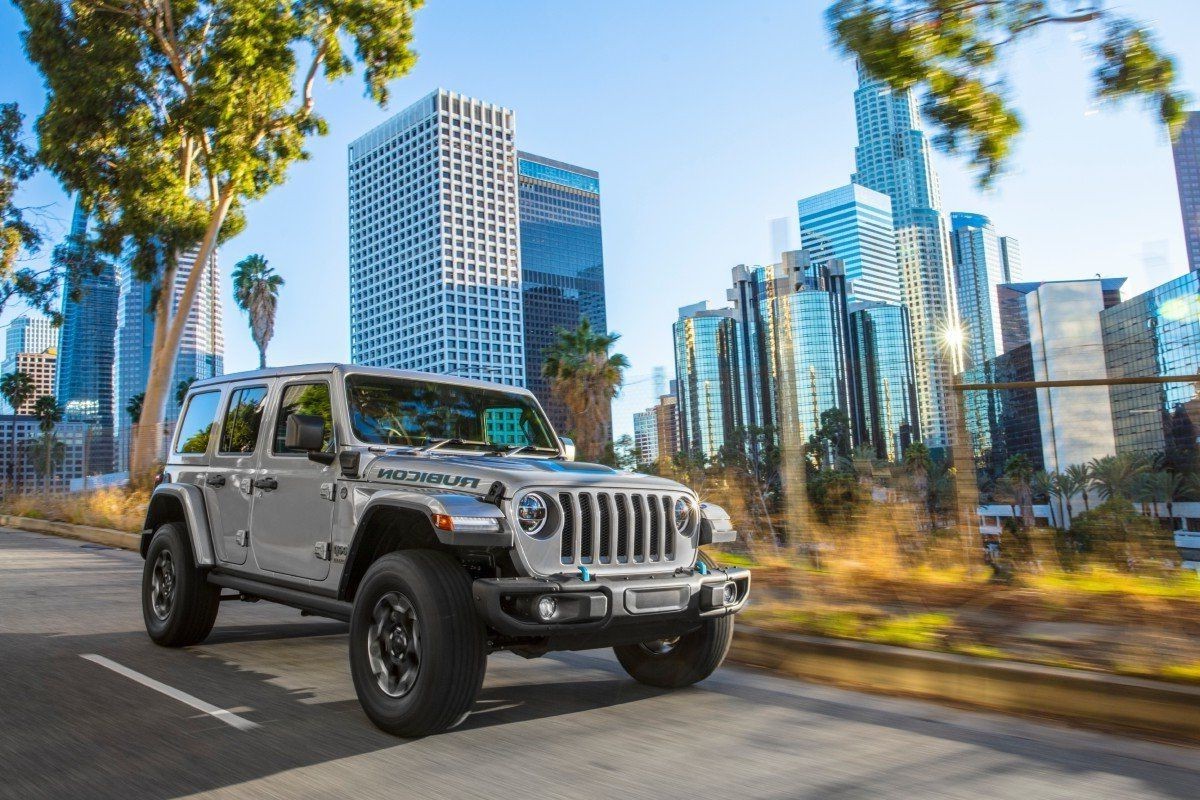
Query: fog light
547	607
730	593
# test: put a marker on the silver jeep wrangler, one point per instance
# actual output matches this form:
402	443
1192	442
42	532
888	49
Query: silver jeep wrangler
440	517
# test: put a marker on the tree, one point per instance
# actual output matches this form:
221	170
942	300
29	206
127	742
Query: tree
16	387
167	117
49	413
1116	476
44	453
1043	485
256	291
181	390
1166	488
134	407
1079	476
952	51
833	433
1019	472
585	377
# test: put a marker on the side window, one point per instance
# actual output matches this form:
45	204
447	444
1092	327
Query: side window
303	398
195	426
239	434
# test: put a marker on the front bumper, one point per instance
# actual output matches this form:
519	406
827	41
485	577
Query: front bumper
510	605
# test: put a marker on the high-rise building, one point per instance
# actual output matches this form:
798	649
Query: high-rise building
893	157
1157	334
1010	259
1187	175
201	351
645	436
562	262
887	383
854	224
435	271
41	369
978	270
666	415
27	334
1003	423
84	384
709	378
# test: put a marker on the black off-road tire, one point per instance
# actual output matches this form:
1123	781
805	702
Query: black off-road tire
673	664
434	593
185	614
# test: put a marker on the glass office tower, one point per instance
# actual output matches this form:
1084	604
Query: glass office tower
1187	175
893	157
1003	423
978	270
1156	333
562	262
435	272
887	384
709	379
854	224
85	353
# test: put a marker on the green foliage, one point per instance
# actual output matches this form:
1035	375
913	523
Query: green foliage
953	52
134	407
586	377
256	292
48	412
1115	531
16	387
181	390
835	495
45	454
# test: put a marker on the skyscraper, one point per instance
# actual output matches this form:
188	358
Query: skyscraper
978	270
85	353
1010	258
562	262
435	271
27	334
1187	175
201	352
887	385
709	378
854	224
893	157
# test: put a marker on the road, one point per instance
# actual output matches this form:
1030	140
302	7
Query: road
282	720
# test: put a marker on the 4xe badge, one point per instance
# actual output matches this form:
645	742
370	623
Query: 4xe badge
430	478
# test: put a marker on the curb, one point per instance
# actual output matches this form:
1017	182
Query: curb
1095	699
1157	708
86	533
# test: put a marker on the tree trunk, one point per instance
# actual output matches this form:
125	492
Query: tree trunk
262	358
49	458
166	347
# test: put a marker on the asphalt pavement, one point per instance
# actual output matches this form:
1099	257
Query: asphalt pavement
89	707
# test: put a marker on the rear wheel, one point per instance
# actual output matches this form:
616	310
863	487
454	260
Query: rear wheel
417	648
682	660
178	605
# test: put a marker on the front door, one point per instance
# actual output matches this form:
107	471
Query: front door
293	512
229	482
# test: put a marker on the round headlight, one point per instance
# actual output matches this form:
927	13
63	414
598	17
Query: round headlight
683	514
531	513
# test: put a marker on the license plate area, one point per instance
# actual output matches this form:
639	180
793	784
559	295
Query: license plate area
656	600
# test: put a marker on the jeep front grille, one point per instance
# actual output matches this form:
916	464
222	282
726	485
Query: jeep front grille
616	527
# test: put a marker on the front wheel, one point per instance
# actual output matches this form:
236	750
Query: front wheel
680	661
417	648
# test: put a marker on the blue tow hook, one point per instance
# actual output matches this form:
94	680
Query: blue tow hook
701	567
584	574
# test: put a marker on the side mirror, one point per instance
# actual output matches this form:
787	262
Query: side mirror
304	432
568	448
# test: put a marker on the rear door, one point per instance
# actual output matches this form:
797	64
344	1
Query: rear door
229	485
293	513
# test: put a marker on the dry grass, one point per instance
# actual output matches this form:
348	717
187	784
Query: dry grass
116	508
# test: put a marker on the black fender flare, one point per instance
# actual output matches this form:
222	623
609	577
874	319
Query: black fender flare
180	502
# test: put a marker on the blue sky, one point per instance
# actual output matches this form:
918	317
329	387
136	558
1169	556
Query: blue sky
705	121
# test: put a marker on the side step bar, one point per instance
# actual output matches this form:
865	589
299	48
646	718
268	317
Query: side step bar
314	604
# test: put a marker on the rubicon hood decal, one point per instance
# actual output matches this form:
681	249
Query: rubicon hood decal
430	478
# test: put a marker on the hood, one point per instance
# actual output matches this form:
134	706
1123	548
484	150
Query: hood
476	473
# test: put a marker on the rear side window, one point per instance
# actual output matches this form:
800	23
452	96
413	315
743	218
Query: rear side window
195	426
303	398
239	434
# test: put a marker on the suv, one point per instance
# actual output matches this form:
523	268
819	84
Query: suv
443	519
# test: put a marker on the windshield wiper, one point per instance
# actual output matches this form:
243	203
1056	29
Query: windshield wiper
434	444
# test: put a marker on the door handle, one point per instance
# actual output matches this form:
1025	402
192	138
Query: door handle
215	481
266	484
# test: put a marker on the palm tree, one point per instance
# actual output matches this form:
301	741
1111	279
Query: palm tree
585	377
1165	487
1019	472
1080	476
256	291
1068	484
134	407
1043	485
16	387
181	390
1116	476
49	413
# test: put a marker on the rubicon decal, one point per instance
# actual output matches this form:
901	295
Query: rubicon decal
431	478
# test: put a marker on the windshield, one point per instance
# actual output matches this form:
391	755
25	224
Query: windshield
411	412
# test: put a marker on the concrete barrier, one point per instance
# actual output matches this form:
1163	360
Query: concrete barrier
1096	699
86	533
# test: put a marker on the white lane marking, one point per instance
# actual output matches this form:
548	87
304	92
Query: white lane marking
228	717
